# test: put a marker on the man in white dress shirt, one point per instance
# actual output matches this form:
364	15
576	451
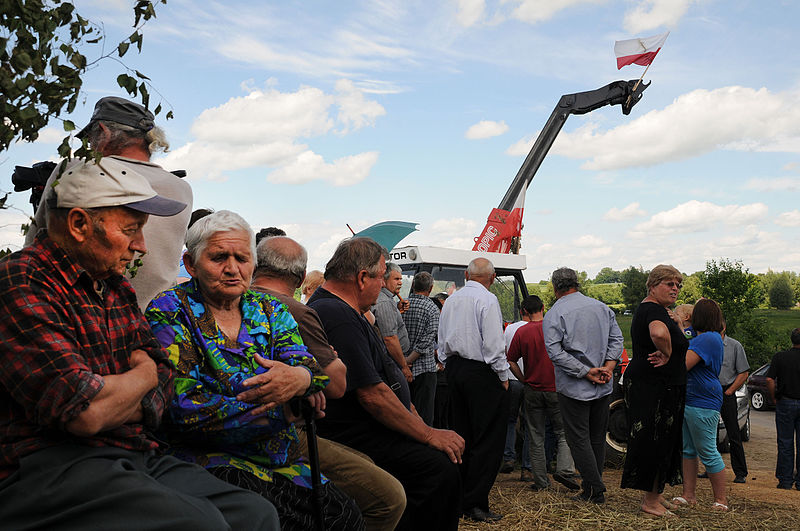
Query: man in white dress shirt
472	348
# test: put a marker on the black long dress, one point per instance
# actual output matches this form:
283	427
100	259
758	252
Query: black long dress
654	399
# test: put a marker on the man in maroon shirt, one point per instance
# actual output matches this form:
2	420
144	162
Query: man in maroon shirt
83	381
540	396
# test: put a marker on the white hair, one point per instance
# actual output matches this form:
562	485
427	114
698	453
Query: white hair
221	221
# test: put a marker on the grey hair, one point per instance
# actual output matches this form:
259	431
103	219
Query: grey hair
423	282
123	136
354	255
281	257
563	279
221	221
391	266
480	267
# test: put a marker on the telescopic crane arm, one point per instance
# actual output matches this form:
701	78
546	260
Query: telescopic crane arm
504	226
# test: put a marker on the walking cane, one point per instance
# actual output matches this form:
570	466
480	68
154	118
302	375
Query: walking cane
313	456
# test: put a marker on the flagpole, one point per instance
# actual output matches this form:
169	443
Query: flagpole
637	85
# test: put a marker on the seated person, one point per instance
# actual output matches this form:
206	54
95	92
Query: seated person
239	359
375	415
83	382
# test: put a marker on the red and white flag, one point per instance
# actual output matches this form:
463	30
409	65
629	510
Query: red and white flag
638	51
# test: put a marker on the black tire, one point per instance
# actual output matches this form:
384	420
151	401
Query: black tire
758	401
616	436
746	429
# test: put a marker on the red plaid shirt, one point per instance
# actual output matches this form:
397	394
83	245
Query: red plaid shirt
58	337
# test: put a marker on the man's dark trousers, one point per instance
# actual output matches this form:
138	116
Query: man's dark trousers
730	416
585	425
480	413
787	428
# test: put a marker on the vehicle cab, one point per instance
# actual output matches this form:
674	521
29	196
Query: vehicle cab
449	265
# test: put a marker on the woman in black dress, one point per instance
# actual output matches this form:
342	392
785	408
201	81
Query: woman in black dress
655	395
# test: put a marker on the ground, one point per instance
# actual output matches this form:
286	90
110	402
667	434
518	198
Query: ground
755	505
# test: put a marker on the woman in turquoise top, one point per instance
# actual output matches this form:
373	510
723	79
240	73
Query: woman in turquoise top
239	359
703	402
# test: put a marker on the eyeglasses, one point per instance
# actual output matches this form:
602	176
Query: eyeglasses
673	284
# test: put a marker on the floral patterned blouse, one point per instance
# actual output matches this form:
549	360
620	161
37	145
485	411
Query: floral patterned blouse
204	423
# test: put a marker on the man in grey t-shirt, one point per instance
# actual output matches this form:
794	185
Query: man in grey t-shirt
732	376
390	321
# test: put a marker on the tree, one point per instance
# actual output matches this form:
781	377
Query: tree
635	287
735	289
781	294
43	55
608	276
691	290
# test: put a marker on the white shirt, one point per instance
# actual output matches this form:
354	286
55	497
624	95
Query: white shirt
471	326
508	335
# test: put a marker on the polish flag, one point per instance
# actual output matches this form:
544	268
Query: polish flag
638	51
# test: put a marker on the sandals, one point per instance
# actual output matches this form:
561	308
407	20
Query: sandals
668	505
717	506
681	501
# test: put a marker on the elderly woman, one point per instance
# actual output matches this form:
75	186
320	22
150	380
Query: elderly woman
703	402
239	358
655	389
313	280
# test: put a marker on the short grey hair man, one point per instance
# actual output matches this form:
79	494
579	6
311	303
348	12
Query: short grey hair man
584	343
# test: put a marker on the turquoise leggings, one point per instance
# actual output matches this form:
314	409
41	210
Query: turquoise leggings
700	437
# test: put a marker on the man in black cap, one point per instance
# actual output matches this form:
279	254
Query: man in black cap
126	131
83	381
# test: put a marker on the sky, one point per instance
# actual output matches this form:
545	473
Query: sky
313	115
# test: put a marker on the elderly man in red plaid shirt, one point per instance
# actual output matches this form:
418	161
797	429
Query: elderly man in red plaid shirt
83	381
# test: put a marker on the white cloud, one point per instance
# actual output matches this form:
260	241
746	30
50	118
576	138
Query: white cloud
650	14
51	135
533	11
698	216
264	129
11	236
486	129
789	219
469	12
309	166
522	146
782	184
701	121
627	212
587	240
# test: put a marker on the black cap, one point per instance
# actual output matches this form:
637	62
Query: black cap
122	111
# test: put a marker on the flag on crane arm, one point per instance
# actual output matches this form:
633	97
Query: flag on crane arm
640	51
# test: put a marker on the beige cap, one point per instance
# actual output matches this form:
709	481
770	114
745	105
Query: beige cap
109	183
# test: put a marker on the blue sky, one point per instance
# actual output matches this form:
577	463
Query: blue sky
310	115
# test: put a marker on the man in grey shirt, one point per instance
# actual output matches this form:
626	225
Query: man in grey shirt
584	343
390	321
732	376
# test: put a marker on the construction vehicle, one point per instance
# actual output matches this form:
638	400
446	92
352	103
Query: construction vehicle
500	240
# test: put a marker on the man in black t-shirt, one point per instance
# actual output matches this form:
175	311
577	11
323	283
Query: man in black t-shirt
785	368
375	415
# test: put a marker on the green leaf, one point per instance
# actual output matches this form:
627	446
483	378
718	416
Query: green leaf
128	83
78	60
122	48
140	75
69	125
64	149
169	115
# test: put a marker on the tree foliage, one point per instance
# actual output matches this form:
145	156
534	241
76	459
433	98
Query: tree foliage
733	286
634	287
781	294
44	52
608	276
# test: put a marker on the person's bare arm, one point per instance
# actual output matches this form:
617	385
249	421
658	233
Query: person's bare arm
741	378
278	385
692	359
396	352
411	358
514	366
659	334
119	401
337	372
771	389
386	408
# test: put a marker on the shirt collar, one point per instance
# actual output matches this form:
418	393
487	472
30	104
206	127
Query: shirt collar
67	267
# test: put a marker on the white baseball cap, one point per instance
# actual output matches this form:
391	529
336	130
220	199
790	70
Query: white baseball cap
110	183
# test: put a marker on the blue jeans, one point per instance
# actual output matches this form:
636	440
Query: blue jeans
787	426
515	389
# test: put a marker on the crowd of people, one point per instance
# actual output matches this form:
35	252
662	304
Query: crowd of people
222	402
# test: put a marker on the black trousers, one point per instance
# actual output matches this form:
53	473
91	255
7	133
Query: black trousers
480	414
79	487
729	414
585	425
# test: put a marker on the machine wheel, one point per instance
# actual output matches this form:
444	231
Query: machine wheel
758	401
746	429
617	434
724	446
